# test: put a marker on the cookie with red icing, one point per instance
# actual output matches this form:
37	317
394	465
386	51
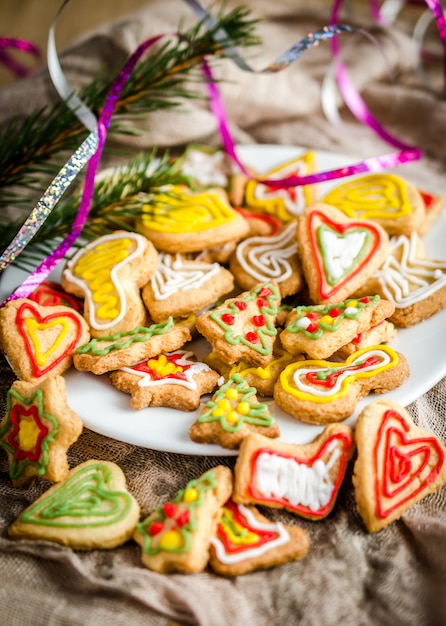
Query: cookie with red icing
176	537
39	341
304	479
37	430
338	253
398	463
247	541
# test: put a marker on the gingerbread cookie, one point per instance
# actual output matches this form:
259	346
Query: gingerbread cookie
304	479
273	257
104	354
246	541
91	509
320	330
176	536
320	392
338	253
108	273
231	414
37	430
170	380
182	286
38	340
243	327
398	463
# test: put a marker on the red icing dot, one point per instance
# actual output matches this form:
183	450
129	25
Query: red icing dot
258	320
170	509
265	292
365	300
228	319
252	337
183	518
155	528
240	304
312	328
261	302
312	316
334	312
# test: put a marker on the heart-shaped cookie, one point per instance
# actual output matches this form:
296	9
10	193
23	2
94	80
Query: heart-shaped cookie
398	463
338	254
90	509
37	340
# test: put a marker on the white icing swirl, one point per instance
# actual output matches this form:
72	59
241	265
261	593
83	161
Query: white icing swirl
340	252
175	273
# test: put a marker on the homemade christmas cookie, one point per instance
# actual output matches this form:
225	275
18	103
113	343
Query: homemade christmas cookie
287	202
380	333
304	479
398	463
247	541
91	509
243	327
37	430
176	537
338	254
320	330
272	257
172	380
104	354
320	392
415	284
433	207
205	166
181	286
108	273
50	293
385	198
38	340
182	221
231	414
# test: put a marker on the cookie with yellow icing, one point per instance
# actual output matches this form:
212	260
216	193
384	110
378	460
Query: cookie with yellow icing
90	509
398	463
232	413
320	392
108	274
37	430
39	341
385	198
247	541
302	478
176	537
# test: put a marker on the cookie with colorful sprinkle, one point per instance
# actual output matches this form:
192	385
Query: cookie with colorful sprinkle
302	478
397	465
90	509
37	430
176	537
232	413
246	541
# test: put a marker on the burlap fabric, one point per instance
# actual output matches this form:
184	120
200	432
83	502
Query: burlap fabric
396	576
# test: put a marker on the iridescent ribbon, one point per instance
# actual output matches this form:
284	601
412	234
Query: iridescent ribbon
16	44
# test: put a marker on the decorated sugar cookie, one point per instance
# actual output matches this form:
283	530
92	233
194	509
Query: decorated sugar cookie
274	257
104	354
320	330
90	509
243	327
284	203
171	380
338	253
176	536
232	413
385	198
434	205
414	283
37	431
205	166
379	333
182	286
247	541
38	340
304	479
182	221
108	273
321	392
50	293
398	463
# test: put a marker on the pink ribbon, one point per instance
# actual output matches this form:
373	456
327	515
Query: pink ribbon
8	60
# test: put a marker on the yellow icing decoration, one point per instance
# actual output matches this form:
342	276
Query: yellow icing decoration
231	393
28	434
171	540
190	495
236	533
186	213
243	408
32	328
224	404
232	416
326	319
264	373
163	367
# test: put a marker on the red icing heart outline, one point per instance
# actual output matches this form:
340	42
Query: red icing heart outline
20	321
326	290
402	467
345	440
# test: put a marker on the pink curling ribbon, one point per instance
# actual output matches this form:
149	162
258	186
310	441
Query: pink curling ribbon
8	60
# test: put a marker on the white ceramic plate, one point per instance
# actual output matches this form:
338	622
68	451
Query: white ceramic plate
106	410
